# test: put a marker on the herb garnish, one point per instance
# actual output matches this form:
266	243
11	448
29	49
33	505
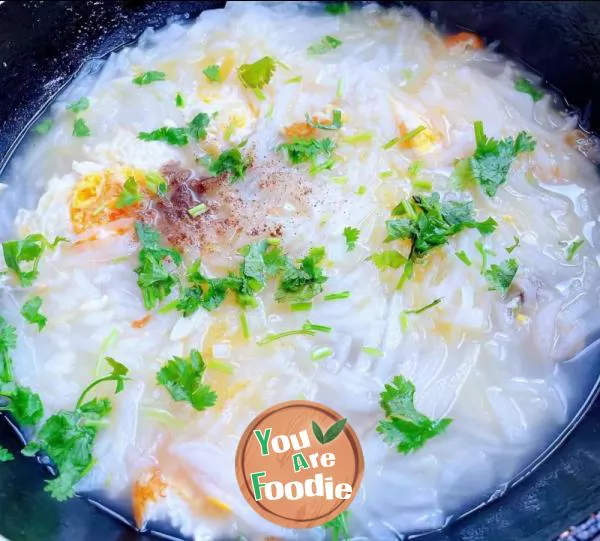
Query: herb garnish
31	312
80	105
196	129
149	77
179	100
80	128
183	378
257	75
43	127
428	222
404	138
388	259
213	73
351	235
527	87
130	195
302	282
516	244
308	329
572	248
426	307
492	159
337	8
5	455
339	524
68	436
404	426
327	44
28	250
230	162
308	150
336	121
501	276
154	279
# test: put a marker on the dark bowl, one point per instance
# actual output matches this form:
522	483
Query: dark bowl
43	44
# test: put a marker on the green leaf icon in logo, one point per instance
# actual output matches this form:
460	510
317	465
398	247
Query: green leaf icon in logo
332	432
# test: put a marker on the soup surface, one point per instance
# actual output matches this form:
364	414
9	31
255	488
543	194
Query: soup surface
411	205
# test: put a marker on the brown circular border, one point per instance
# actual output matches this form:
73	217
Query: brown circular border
243	479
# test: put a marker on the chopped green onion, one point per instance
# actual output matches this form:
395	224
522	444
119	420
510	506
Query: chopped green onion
179	100
422	184
515	245
406	274
296	79
340	180
358	138
270	111
301	306
272	337
318	168
309	326
403	322
244	323
340	89
426	307
362	190
220	366
463	257
410	211
572	248
43	127
169	307
259	94
321	353
484	253
337	296
406	137
163	416
107	343
386	174
197	210
374	352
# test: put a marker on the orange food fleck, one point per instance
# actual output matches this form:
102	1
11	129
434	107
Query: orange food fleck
146	490
299	130
91	238
142	322
464	39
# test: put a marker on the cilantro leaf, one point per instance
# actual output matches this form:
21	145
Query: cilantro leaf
5	455
43	127
179	100
197	127
28	250
308	150
149	77
527	87
31	312
80	105
154	279
25	405
258	74
327	44
171	136
8	342
501	276
429	222
351	235
337	8
492	159
230	162
404	426
68	438
183	379
118	374
207	293
213	73
80	128
130	195
303	282
339	524
335	124
391	259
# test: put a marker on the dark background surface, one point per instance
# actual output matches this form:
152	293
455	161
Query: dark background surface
42	44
